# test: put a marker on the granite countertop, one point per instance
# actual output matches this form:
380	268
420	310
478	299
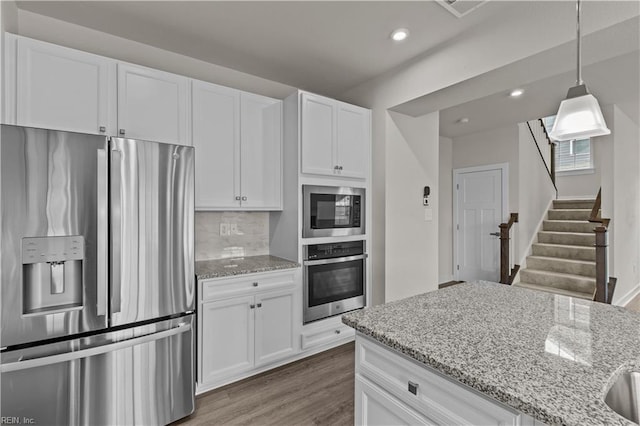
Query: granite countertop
549	356
241	265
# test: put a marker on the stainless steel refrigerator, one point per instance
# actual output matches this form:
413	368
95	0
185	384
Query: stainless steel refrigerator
98	292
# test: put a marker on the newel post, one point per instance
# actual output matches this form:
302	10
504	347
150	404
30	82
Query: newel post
504	253
602	273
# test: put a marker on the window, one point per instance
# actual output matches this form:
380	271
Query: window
573	154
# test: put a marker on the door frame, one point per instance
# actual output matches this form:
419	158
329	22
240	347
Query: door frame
504	168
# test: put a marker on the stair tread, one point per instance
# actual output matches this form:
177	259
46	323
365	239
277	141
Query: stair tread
563	245
570	210
577	294
567	220
563	259
567	233
560	274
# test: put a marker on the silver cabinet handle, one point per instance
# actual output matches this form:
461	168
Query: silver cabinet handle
337	331
259	305
340	168
413	387
121	132
244	198
335	167
252	306
103	129
102	244
237	198
255	284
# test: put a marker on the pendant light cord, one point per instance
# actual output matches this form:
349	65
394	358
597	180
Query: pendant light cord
579	67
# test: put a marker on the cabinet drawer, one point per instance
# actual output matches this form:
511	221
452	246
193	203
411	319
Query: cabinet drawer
374	406
430	393
325	335
220	288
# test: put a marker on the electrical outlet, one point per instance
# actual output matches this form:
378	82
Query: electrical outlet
224	229
233	229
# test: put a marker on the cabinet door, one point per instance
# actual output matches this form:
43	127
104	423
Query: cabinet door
261	152
216	138
318	134
152	105
227	338
274	326
353	141
373	406
64	89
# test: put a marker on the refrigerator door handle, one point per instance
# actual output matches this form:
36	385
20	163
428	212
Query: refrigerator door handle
98	350
103	260
116	229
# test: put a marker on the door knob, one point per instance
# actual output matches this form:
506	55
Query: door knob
495	234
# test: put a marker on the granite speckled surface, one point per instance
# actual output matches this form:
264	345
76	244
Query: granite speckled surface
244	265
549	356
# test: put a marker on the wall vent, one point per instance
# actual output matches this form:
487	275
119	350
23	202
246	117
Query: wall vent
459	8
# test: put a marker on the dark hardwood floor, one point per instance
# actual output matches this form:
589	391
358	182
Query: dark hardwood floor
313	391
317	390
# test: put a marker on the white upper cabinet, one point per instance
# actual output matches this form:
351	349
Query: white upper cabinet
216	138
238	141
353	140
335	137
261	152
152	105
318	135
60	88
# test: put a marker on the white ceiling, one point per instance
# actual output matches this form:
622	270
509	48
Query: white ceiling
321	46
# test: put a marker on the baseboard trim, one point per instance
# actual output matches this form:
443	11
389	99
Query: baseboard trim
449	284
631	294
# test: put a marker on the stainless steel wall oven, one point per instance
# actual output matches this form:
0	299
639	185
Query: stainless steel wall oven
331	211
334	279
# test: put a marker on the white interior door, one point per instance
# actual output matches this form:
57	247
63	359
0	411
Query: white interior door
477	215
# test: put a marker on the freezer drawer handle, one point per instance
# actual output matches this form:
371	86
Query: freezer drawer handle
85	353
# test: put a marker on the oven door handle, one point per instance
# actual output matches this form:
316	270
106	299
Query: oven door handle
334	260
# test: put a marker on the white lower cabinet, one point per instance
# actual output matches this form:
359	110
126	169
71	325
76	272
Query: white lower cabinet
393	389
245	324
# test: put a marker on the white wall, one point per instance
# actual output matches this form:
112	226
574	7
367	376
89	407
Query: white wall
82	38
583	185
625	228
445	211
491	147
411	241
536	191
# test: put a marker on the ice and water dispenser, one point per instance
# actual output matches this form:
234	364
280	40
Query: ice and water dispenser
52	274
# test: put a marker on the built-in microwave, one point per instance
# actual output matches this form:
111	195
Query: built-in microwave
332	211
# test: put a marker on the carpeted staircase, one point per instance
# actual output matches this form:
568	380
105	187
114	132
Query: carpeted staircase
563	259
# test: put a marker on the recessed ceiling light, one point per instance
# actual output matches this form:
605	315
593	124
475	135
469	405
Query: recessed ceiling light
516	92
400	34
463	120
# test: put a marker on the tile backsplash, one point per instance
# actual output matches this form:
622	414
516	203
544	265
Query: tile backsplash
248	234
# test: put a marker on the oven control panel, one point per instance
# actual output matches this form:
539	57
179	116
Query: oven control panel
331	250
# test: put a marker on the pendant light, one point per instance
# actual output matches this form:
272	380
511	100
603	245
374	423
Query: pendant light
579	115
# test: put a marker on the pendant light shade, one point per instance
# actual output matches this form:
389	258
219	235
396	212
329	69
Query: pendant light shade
579	115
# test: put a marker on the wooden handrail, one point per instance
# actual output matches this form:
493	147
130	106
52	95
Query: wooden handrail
552	158
551	172
506	276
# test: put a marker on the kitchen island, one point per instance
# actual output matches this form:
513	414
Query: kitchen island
548	356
